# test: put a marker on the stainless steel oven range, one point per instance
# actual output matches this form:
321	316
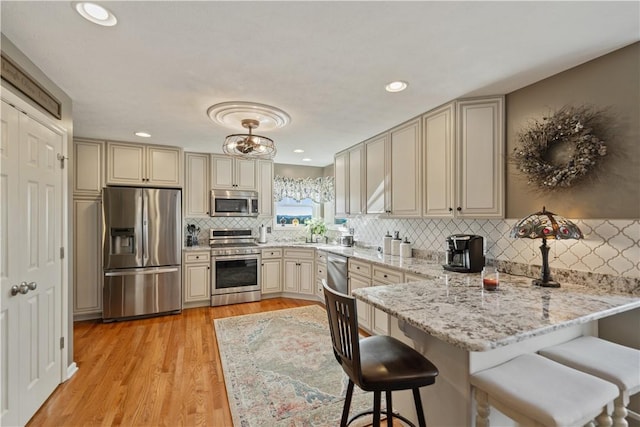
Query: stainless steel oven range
235	266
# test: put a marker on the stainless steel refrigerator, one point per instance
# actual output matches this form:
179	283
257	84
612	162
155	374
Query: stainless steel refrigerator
142	242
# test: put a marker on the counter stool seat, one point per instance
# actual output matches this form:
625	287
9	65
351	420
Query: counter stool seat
612	362
534	390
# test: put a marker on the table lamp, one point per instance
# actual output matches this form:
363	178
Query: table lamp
546	225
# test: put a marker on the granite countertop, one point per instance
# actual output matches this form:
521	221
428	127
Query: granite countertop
454	308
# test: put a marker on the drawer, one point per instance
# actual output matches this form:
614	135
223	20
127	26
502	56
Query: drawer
321	271
197	257
299	253
410	277
384	275
321	257
359	267
272	253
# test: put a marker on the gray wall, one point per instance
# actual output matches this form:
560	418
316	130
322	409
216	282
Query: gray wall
10	50
610	82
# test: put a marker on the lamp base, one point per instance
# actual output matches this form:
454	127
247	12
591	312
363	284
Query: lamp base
545	284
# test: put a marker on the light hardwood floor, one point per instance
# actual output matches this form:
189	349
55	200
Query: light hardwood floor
161	371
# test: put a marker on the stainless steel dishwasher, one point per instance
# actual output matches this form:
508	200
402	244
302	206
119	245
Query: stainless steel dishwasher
337	273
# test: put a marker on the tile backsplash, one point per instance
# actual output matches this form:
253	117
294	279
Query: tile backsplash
609	247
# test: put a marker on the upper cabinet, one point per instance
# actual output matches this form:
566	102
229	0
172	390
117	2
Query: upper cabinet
265	187
377	174
232	173
349	181
88	158
464	159
406	167
138	164
196	199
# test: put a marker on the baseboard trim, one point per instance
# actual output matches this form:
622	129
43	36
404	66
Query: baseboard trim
71	370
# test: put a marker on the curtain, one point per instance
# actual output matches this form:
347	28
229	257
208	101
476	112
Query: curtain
320	190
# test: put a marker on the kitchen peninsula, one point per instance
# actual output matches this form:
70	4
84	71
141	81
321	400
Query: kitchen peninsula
464	329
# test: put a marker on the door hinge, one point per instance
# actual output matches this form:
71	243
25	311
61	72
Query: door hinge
61	253
61	343
62	158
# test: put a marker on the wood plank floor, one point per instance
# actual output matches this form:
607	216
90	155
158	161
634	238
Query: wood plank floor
162	371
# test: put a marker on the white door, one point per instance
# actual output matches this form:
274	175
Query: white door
31	321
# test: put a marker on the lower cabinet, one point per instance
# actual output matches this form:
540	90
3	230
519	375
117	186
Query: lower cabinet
87	262
271	271
383	276
299	274
197	277
360	277
321	273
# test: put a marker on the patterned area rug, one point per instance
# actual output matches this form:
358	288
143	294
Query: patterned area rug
280	370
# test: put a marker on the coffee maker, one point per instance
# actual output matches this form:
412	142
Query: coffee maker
464	253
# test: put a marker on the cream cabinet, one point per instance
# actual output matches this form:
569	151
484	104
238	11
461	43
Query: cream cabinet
87	258
196	277
138	164
382	276
232	173
349	181
377	174
464	159
341	183
321	273
299	273
406	169
359	274
88	171
265	187
271	271
196	192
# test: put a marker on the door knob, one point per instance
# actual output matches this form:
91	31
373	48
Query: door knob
32	286
23	288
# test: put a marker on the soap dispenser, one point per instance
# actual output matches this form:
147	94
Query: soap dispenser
405	249
395	243
386	244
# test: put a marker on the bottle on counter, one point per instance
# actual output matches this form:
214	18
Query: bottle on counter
395	243
386	244
406	249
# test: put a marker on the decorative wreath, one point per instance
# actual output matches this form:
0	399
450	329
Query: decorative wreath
578	128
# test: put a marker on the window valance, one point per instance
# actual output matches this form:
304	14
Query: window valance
320	190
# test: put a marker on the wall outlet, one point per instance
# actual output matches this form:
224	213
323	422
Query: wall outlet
268	229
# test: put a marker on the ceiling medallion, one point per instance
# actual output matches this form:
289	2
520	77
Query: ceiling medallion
249	145
231	114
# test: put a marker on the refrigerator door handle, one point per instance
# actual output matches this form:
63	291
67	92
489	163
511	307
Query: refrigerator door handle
145	228
138	271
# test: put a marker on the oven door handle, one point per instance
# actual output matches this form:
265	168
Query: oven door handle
234	257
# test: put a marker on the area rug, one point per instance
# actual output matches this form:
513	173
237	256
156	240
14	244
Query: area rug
280	370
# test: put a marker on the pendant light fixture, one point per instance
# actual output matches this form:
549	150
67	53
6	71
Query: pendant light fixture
249	115
249	145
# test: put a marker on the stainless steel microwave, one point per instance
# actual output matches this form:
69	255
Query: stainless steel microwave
234	203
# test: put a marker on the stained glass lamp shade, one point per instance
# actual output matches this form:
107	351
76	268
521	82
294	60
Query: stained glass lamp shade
546	225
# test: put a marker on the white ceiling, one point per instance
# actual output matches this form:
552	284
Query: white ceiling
324	63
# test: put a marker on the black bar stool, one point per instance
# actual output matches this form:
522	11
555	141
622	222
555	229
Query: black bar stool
377	363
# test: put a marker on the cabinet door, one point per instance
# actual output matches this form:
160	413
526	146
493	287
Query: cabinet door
164	166
271	281
356	180
290	275
196	282
439	170
307	277
406	175
222	172
245	174
341	182
364	309
88	169
265	187
480	158
196	185
377	175
125	164
87	257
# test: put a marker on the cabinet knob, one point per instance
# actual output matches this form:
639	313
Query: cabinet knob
385	276
450	209
458	208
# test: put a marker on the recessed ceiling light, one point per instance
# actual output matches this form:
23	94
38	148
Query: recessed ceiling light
143	134
297	150
397	86
95	13
306	159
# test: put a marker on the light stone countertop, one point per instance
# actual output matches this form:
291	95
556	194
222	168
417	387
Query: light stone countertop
455	309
